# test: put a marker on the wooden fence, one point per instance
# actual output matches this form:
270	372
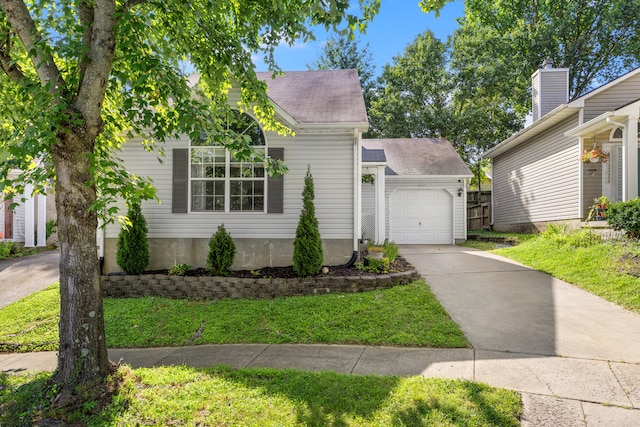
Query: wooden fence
478	210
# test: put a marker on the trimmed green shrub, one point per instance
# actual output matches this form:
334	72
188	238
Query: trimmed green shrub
307	246
625	216
133	249
222	252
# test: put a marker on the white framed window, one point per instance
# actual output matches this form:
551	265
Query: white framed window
219	181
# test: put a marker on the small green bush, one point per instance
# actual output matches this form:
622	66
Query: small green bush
222	252
179	269
51	227
625	216
391	251
307	246
132	248
6	249
378	266
582	238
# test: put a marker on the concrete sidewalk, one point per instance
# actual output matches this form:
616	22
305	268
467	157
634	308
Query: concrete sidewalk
556	391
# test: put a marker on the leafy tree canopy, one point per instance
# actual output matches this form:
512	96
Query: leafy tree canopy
79	76
597	40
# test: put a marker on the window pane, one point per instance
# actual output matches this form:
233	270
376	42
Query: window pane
236	188
235	203
246	204
219	203
258	203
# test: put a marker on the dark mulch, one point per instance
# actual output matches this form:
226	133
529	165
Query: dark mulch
630	264
400	264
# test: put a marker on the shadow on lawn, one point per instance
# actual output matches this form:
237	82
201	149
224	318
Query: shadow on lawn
317	399
329	398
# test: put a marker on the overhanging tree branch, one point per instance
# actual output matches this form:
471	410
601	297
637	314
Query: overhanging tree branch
18	16
100	60
9	67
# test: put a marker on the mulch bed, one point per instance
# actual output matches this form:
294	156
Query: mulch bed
399	265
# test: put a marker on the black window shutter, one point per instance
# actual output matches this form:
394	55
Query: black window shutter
275	186
180	191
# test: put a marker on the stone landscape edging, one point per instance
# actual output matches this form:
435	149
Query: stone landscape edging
216	287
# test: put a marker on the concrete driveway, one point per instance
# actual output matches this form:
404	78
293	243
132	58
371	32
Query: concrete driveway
20	277
574	356
504	306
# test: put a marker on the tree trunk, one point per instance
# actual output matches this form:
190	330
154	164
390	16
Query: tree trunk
83	352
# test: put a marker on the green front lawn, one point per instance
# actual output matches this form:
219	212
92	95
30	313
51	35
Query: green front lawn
265	397
404	316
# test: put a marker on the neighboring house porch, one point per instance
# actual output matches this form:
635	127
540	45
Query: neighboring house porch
617	133
26	223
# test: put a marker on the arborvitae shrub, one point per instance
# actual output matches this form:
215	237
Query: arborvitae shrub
222	251
307	246
133	249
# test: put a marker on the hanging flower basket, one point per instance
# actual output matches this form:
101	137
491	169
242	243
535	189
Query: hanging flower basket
595	155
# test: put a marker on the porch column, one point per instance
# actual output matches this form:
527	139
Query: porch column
29	211
630	156
42	220
380	204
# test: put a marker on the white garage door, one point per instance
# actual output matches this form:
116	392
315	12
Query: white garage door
421	217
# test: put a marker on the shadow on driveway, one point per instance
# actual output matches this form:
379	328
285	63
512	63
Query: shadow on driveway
504	306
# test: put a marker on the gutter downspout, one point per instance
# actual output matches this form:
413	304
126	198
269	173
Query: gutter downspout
101	235
357	196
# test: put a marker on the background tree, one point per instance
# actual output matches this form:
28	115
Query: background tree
132	253
597	40
345	53
413	92
307	246
430	92
81	74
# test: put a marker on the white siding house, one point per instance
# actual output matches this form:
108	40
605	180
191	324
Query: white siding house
539	175
326	111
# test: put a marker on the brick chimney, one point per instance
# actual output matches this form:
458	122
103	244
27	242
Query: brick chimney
549	89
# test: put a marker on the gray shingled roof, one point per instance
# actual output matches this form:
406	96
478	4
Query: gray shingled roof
426	156
322	96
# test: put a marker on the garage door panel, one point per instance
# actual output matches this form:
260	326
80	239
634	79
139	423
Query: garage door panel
421	216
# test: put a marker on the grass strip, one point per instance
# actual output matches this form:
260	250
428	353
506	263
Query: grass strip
407	315
267	397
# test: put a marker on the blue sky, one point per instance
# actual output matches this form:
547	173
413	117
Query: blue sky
396	26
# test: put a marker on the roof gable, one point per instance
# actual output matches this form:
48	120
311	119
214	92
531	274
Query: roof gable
318	97
419	157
